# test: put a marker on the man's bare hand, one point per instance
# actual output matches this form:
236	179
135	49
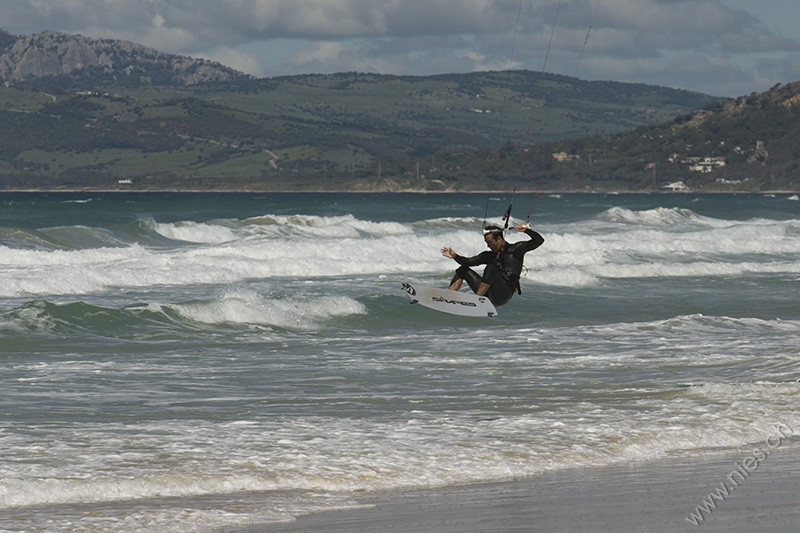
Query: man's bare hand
448	252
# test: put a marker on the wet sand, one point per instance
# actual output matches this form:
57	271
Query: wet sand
666	495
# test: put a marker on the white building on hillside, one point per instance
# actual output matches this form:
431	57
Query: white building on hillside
707	164
675	186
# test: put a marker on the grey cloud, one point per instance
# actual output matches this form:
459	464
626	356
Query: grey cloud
631	40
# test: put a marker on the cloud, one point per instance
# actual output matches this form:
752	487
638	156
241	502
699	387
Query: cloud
630	40
751	41
236	59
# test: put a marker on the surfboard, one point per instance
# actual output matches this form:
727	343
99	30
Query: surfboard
453	302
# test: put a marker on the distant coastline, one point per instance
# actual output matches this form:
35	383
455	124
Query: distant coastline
376	191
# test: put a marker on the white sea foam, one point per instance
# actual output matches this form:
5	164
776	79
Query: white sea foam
659	216
344	226
595	424
664	243
195	232
325	454
83	201
246	307
619	243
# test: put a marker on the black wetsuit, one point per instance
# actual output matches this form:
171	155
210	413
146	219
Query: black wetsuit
502	270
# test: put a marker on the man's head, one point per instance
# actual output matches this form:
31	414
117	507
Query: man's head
493	235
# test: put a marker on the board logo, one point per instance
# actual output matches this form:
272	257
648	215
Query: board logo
457	302
409	289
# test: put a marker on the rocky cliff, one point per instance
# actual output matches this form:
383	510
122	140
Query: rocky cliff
69	61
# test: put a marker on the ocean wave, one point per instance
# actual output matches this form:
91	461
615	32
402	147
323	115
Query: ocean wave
449	223
586	257
81	237
195	232
232	308
79	201
420	450
60	238
248	307
19	239
659	216
44	317
684	220
698	324
81	260
343	226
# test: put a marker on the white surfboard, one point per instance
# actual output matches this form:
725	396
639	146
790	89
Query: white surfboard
453	302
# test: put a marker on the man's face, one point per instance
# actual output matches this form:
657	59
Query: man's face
494	242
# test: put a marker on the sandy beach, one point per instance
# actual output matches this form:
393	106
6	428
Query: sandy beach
669	495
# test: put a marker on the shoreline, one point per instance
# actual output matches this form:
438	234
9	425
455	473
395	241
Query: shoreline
351	191
662	495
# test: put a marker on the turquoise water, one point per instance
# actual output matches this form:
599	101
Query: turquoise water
200	362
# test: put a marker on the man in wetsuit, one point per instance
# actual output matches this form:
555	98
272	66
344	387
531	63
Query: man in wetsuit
503	264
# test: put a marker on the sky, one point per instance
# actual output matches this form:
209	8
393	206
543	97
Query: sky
719	47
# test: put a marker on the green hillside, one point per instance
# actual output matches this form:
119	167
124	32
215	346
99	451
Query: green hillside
342	131
745	144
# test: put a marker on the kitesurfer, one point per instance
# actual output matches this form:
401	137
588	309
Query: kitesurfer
503	263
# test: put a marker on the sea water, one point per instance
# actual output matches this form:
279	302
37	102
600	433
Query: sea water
197	362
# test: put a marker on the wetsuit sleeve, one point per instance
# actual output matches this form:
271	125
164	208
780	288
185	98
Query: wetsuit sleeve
480	259
526	246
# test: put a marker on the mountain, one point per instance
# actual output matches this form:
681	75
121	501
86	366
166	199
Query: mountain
104	114
333	132
58	60
744	144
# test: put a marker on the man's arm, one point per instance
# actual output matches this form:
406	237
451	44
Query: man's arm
526	246
464	261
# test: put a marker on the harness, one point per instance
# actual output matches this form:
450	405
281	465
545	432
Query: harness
508	277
